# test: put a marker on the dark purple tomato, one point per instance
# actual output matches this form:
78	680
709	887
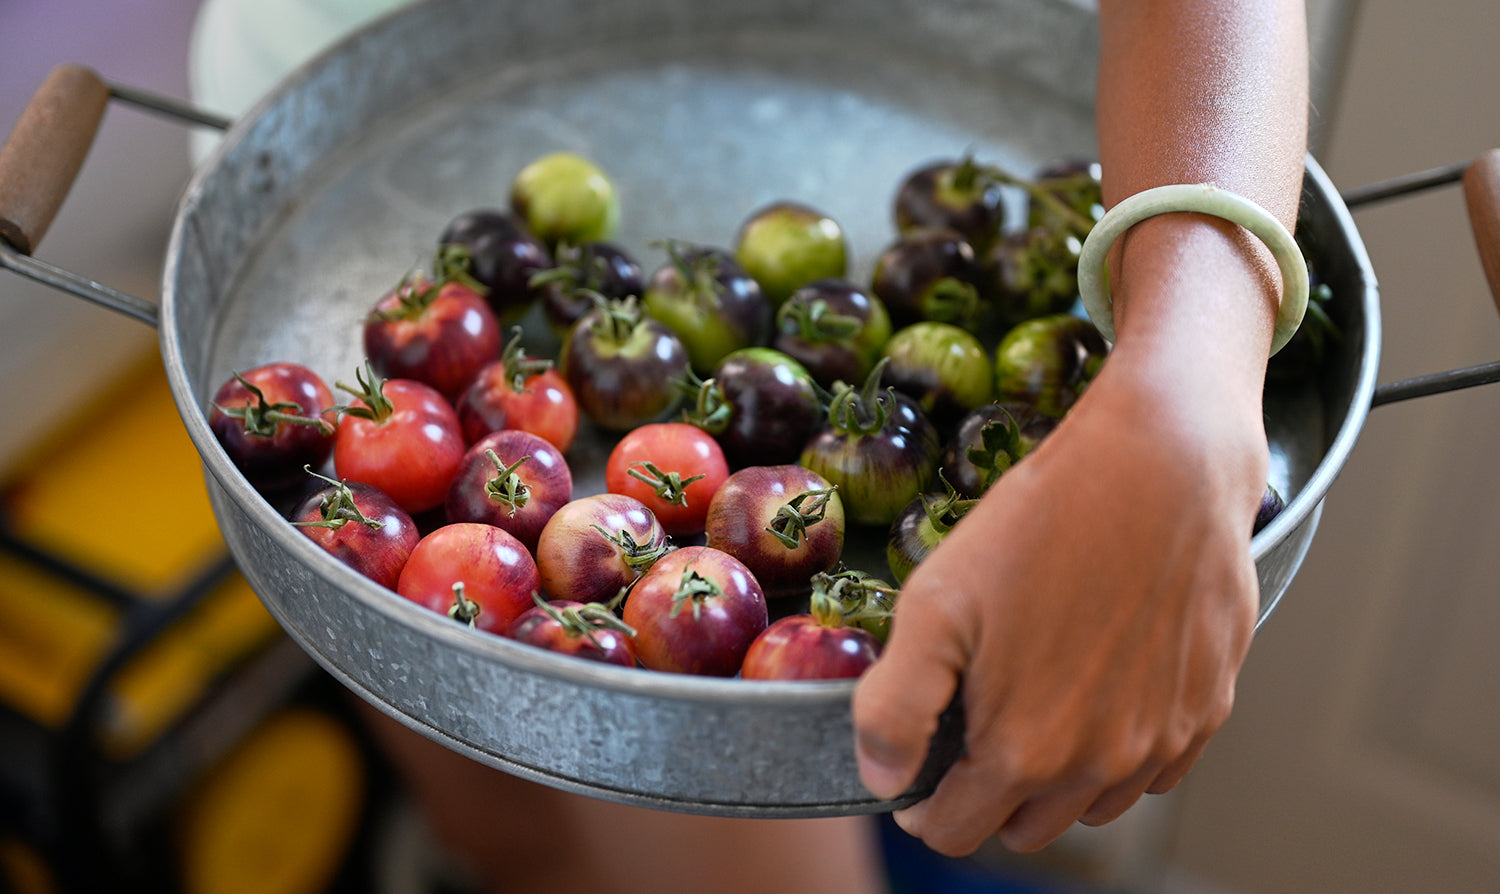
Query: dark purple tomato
272	422
696	612
603	268
959	195
361	526
705	296
1033	273
988	441
760	405
513	480
583	630
624	367
437	331
784	522
833	328
877	447
502	255
929	274
1048	362
595	547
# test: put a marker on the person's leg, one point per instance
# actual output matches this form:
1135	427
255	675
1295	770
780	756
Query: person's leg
519	836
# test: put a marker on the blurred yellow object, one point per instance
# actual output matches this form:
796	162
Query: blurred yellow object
277	816
53	635
22	869
121	494
178	668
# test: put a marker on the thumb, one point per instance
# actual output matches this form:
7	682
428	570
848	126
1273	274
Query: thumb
899	702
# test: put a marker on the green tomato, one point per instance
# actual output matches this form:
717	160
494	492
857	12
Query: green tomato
786	245
565	198
1048	362
944	368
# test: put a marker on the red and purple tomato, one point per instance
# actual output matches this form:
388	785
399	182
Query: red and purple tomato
696	612
521	392
361	526
785	522
583	630
513	480
473	572
594	547
800	647
438	332
273	421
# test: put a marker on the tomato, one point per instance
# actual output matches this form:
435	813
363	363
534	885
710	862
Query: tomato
623	366
597	546
817	645
945	369
475	573
522	392
513	480
784	522
566	198
438	331
361	526
705	296
674	468
271	422
585	630
696	612
403	437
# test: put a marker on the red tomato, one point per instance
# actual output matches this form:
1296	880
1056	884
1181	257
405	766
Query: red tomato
801	647
271	422
496	573
401	436
519	392
674	468
573	628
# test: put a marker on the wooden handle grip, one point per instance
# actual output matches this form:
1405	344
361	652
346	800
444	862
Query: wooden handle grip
1482	195
42	155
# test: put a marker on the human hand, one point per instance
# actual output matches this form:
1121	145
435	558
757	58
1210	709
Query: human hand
1096	604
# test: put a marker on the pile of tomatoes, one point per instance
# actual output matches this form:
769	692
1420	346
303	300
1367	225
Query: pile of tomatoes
758	406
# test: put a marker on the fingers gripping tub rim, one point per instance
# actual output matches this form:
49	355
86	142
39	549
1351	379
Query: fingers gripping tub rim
1202	198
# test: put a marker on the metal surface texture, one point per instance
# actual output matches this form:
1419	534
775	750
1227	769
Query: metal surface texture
338	183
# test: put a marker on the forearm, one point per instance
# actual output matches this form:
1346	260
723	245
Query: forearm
1190	92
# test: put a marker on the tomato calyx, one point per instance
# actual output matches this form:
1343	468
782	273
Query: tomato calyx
519	366
618	318
338	508
585	620
417	290
636	556
795	515
864	601
261	417
710	409
507	488
697	269
370	390
861	410
815	322
945	510
695	589
1000	447
670	487
463	610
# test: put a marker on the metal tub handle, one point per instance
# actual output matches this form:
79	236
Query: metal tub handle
40	161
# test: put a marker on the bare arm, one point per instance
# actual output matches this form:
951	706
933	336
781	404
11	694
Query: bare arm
1098	603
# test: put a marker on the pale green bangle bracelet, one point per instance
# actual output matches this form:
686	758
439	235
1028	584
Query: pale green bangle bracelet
1202	198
